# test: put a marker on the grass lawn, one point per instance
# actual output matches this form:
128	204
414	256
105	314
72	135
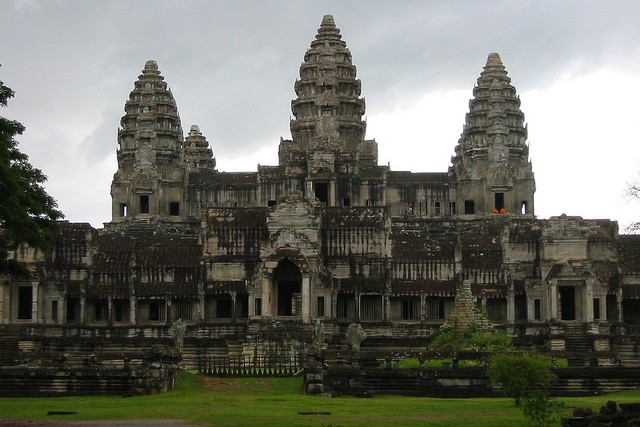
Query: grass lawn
278	401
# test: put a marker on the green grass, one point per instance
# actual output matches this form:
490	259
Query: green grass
277	401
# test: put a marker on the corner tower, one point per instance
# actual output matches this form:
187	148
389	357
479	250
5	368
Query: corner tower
149	183
491	166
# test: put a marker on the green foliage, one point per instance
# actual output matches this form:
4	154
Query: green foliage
541	409
27	212
471	338
519	374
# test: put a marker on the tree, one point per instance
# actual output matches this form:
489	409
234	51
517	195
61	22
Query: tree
633	191
520	374
27	212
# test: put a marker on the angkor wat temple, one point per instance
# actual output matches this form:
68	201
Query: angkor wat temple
327	234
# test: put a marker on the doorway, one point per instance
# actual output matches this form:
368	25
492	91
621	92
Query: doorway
287	281
567	302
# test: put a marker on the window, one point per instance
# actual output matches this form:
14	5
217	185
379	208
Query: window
524	208
436	208
469	207
258	306
100	311
182	309
174	209
224	308
371	307
144	204
123	209
499	201
346	202
54	310
25	301
321	190
271	203
320	307
537	312
596	308
452	208
410	310
118	309
156	310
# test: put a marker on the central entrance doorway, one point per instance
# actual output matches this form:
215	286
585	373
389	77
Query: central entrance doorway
287	280
567	302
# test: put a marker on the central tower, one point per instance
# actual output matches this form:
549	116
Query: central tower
328	145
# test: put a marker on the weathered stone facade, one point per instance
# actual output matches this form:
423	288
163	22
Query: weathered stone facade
330	235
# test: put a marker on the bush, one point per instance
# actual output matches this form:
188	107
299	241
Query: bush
519	374
541	409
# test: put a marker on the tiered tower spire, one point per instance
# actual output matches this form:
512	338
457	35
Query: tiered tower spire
328	109
491	161
149	183
197	153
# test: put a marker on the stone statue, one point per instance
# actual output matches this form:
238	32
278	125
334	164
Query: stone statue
318	333
177	332
355	335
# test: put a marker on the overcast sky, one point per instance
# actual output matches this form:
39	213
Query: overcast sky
231	66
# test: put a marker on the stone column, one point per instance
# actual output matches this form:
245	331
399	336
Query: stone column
132	309
357	294
167	306
552	298
386	307
83	303
266	297
306	298
511	307
233	305
34	302
587	301
110	310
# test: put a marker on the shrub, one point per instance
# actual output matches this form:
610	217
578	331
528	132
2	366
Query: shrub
519	374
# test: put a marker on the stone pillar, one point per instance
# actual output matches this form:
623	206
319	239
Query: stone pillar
34	303
233	305
132	309
83	303
511	307
201	302
386	307
110	310
306	298
587	302
332	193
168	314
619	303
552	298
357	294
266	297
423	308
334	304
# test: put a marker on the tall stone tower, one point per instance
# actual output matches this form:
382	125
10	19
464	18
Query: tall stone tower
491	165
149	183
327	132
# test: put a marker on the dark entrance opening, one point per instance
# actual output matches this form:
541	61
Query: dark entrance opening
499	201
25	301
321	191
287	280
469	207
612	308
520	302
567	302
631	311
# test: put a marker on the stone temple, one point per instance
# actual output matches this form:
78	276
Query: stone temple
328	235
